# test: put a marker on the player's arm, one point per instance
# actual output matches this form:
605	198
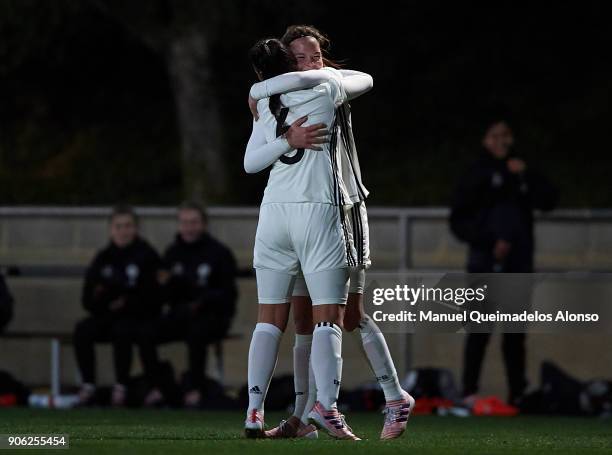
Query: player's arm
260	154
289	82
285	83
355	83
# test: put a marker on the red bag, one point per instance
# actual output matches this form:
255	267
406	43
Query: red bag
493	406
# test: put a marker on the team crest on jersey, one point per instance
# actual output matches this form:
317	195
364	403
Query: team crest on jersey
203	273
132	271
107	271
178	269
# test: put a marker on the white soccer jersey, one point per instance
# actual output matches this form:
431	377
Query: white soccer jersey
353	192
350	189
335	179
304	175
353	189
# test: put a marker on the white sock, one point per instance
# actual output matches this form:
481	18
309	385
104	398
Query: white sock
263	353
326	358
312	394
379	358
301	367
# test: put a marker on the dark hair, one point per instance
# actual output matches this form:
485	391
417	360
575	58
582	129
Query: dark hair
123	210
192	205
270	57
494	115
294	32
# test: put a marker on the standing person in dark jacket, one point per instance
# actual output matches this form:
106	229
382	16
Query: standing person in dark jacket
200	288
492	211
121	293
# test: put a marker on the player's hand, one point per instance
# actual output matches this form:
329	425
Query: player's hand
306	137
253	108
501	249
516	165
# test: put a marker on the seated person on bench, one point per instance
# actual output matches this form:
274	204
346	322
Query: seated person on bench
121	293
200	289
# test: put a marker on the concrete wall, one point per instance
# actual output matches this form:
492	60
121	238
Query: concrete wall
71	236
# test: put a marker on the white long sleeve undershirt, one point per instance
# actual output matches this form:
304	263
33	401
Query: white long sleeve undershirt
354	83
259	153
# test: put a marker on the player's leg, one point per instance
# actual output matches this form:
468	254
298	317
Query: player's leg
273	289
322	252
276	265
304	326
328	290
371	338
302	366
297	424
399	403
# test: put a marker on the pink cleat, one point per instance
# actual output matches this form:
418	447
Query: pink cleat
331	421
254	425
396	417
286	429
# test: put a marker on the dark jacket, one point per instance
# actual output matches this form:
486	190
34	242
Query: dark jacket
202	272
129	273
6	304
491	203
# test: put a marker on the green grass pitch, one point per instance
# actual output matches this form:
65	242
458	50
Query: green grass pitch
169	432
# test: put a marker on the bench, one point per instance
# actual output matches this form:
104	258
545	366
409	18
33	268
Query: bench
63	338
59	339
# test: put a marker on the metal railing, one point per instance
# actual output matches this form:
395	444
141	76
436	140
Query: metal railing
404	216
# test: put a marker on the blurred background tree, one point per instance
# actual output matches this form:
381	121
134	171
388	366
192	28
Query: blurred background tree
144	101
183	34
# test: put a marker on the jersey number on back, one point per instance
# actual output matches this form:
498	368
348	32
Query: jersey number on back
282	128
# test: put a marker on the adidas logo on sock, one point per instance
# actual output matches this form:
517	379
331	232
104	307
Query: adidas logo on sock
384	377
299	393
336	382
256	390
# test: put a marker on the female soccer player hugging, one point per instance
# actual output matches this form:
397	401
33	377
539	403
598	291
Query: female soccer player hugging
310	224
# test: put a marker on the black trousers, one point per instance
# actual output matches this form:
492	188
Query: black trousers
197	330
122	333
513	350
509	293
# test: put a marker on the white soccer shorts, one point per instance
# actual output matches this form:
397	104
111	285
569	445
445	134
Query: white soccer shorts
356	283
306	236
